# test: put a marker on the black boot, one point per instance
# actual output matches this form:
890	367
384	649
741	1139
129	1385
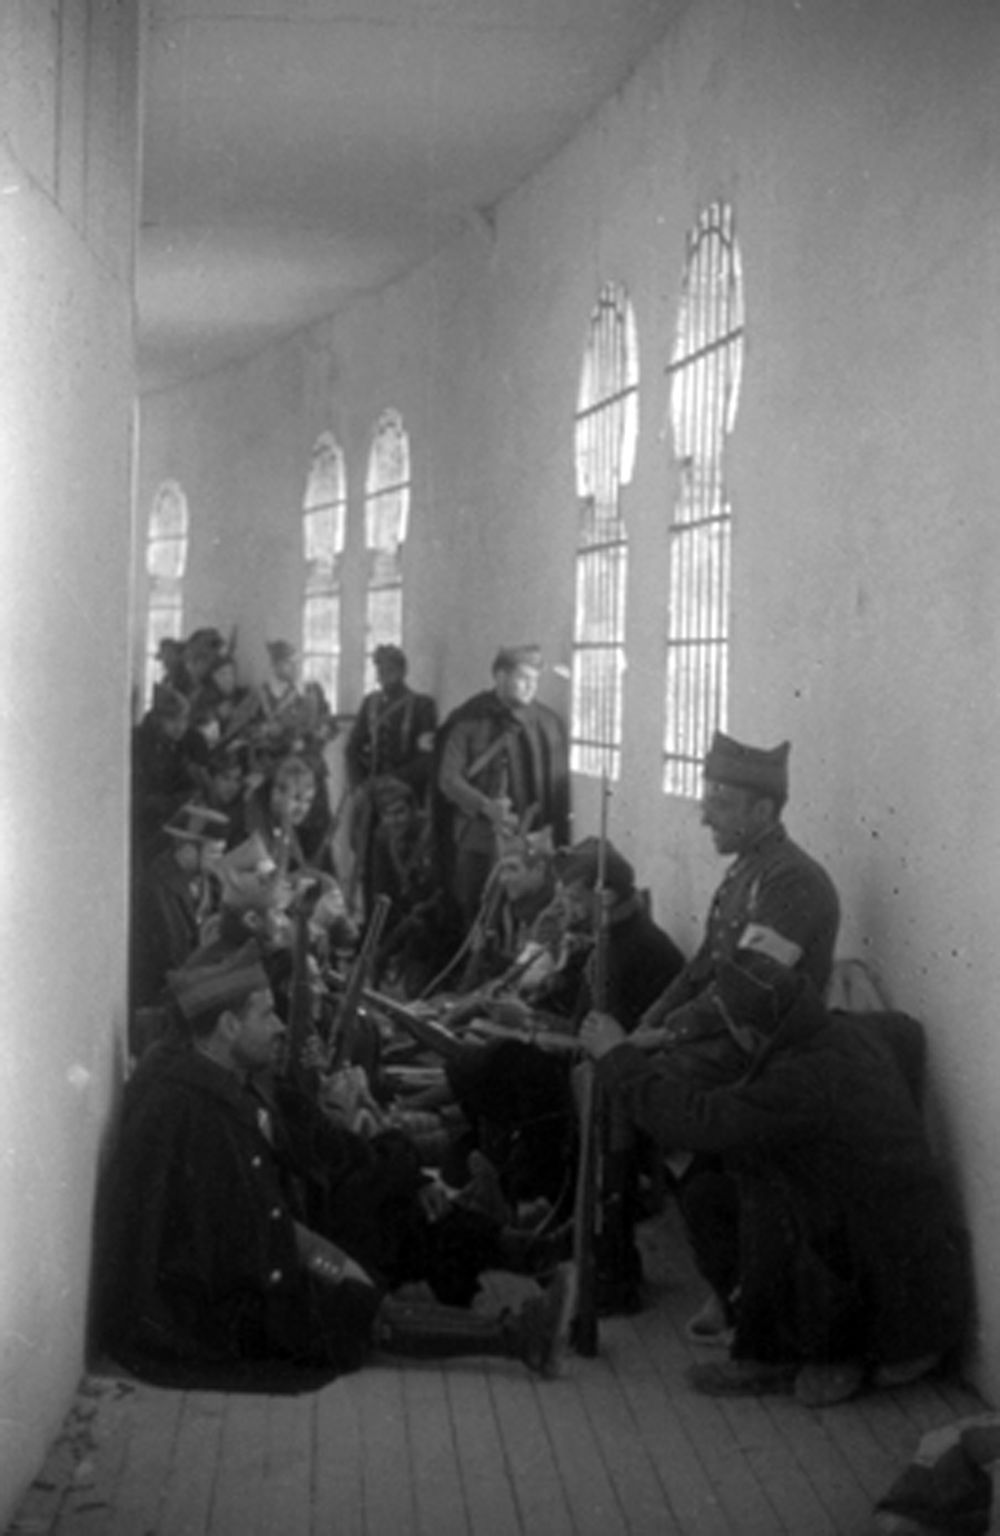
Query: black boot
537	1334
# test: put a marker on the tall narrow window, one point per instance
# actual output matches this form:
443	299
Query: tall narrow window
324	526
606	431
166	558
705	371
387	509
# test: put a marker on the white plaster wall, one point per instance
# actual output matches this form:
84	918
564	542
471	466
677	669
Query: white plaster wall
860	145
66	408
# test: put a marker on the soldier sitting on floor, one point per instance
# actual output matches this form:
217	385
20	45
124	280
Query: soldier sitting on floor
211	1275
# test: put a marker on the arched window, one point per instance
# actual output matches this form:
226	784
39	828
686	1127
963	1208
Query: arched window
387	509
324	527
705	369
166	558
606	431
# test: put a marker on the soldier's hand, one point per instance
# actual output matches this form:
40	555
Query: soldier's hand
435	1201
654	1014
600	1033
648	1037
499	812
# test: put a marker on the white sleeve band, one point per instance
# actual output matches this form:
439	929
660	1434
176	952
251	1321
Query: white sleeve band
769	942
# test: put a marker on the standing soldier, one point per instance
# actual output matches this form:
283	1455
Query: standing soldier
503	767
393	736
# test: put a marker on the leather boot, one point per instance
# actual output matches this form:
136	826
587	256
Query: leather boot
536	1334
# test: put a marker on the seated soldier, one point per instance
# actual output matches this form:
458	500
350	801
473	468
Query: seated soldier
774	897
839	1236
417	939
168	763
640	958
210	1271
270	865
170	899
225	792
520	888
516	1091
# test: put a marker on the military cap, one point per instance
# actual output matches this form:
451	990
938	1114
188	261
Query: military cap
732	762
582	863
169	703
281	650
200	987
388	790
508	657
389	655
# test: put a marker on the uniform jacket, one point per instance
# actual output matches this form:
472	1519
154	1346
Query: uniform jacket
200	1268
774	885
165	774
641	961
393	736
165	925
487	750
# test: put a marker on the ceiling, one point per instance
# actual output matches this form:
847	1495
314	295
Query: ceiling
298	153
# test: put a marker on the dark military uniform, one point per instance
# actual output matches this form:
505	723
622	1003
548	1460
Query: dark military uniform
846	1243
773	886
393	736
202	1278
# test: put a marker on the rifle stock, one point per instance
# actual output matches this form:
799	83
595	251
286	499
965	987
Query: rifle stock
425	1031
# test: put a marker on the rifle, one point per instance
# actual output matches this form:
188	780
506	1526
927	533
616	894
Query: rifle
435	1037
354	988
301	1029
587	1201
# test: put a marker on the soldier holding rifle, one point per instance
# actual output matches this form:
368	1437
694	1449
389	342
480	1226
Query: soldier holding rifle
503	767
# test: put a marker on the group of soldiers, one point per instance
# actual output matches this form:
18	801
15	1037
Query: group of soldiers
427	1133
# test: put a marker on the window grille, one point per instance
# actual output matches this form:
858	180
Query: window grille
605	441
705	372
166	558
387	508
324	527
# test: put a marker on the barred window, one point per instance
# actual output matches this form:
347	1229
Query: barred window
705	371
166	558
606	433
387	509
324	527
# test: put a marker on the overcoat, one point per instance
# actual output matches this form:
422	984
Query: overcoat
825	1136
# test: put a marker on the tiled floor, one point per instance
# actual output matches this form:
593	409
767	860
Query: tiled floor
618	1446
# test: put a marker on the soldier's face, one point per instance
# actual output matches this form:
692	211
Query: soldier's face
257	1042
227	785
733	815
517	685
291	800
390	675
174	726
578	902
396	817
